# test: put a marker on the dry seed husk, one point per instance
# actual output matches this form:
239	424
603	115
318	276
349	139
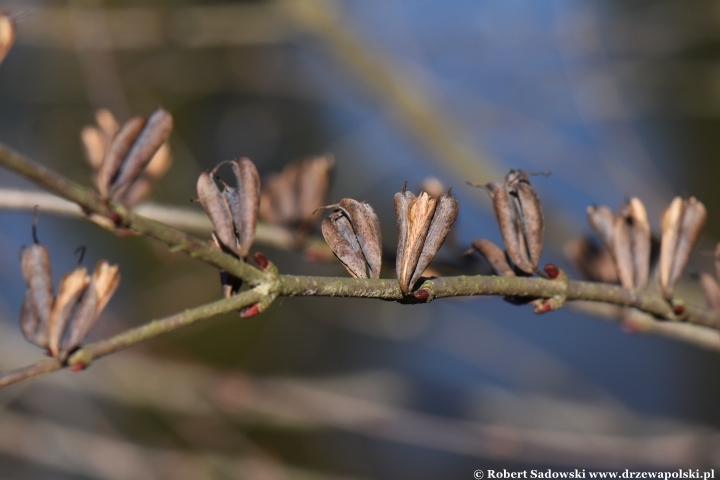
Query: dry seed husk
510	227
446	211
601	219
218	209
155	132
39	296
340	236
641	242
366	225
711	290
313	182
103	284
682	223
402	203
7	35
416	220
244	200
622	249
494	256
529	214
72	286
592	260
117	152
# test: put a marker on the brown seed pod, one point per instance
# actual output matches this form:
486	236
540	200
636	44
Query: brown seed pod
290	198
711	290
103	284
682	223
519	215
601	219
528	212
233	211
353	234
423	224
72	286
132	148
594	262
39	296
494	256
7	35
641	242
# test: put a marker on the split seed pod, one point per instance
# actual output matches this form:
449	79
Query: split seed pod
682	223
46	319
520	219
134	156
233	212
423	224
39	296
494	256
627	237
353	233
290	198
7	35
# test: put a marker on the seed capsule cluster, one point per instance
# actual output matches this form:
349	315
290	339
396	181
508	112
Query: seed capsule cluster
60	322
127	160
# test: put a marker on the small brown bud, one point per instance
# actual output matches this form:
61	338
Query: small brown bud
7	35
494	256
682	223
423	224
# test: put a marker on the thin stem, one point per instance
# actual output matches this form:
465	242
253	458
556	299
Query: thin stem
85	355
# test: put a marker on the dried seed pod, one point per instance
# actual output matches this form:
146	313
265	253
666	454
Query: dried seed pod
681	223
72	286
130	151
291	197
594	262
711	290
7	35
353	233
494	256
233	211
602	219
519	215
423	224
39	296
103	284
528	212
627	237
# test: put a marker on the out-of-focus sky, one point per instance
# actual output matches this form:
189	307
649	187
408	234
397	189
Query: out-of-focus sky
615	99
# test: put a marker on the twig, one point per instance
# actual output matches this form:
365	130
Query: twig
268	286
85	355
184	219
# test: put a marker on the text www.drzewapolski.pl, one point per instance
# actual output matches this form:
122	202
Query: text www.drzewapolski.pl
590	474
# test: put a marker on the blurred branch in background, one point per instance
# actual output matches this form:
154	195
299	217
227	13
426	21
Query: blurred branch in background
526	428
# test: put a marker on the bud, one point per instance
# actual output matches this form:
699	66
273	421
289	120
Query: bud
520	219
682	223
494	256
7	35
133	156
423	224
353	233
290	198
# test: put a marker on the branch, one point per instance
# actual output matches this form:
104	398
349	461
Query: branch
85	355
91	202
184	219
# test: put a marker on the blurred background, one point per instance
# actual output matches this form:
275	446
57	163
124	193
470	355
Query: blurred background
614	98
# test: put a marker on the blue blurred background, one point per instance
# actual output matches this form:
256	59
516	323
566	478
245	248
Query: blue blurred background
616	99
